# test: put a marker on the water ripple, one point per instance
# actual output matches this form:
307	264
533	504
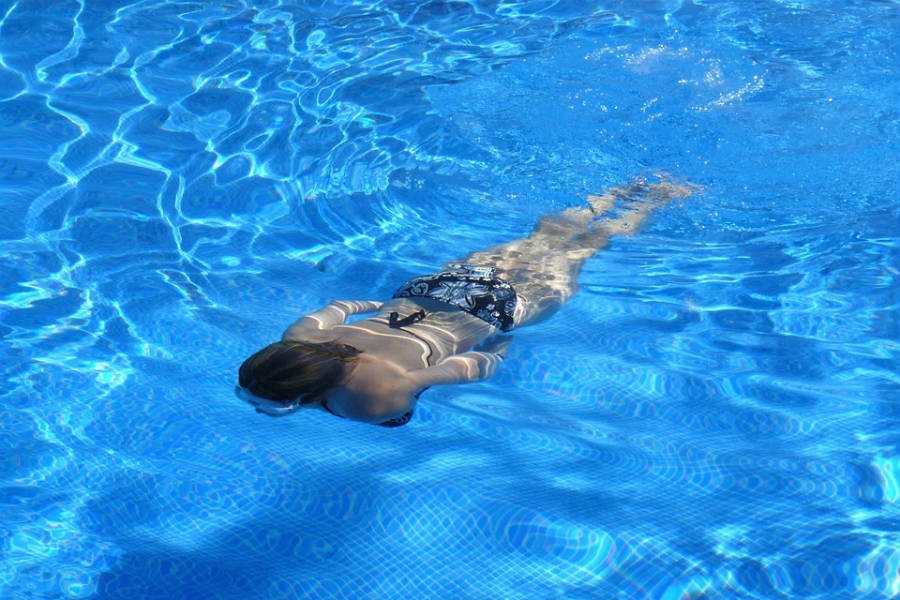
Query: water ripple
714	414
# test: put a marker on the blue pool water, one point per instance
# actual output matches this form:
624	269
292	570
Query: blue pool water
715	415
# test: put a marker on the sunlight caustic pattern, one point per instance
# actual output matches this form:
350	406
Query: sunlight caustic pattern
713	415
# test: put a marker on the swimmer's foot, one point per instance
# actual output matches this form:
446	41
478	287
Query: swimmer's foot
654	195
620	209
636	195
663	192
623	209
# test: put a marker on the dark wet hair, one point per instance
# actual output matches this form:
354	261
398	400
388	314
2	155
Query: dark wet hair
284	371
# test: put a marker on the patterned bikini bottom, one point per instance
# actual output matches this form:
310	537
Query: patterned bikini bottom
476	290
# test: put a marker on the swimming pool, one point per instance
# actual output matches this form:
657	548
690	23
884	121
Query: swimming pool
714	415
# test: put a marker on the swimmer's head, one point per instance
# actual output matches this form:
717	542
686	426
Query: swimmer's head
296	373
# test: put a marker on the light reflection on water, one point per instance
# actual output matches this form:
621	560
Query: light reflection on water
714	414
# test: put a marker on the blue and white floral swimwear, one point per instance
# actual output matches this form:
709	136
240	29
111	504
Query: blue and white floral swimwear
475	290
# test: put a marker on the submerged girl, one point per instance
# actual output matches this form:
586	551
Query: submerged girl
375	369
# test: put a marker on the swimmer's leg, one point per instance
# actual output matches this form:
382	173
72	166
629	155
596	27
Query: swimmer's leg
544	267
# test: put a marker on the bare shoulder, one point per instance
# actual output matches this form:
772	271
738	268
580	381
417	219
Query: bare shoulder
382	387
307	329
378	374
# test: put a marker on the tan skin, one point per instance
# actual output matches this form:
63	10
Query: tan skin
395	363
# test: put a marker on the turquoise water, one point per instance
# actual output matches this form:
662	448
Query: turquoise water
714	415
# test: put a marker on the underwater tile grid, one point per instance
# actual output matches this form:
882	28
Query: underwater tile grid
714	415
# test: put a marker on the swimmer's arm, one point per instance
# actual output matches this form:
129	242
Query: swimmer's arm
459	368
326	318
